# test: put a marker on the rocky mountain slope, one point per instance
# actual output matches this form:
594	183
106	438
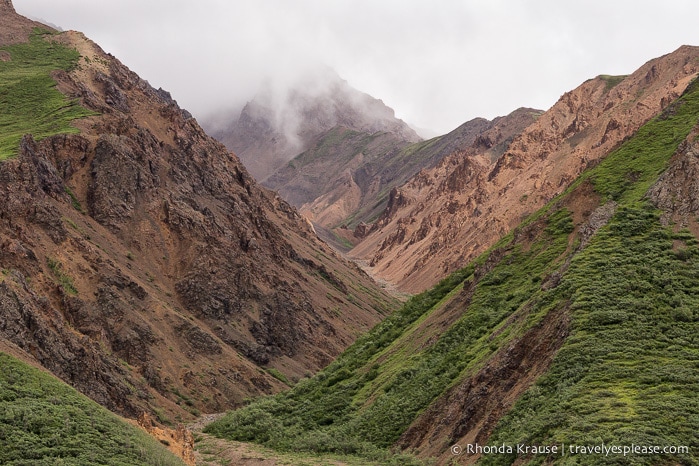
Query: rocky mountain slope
140	262
280	123
346	178
578	328
449	214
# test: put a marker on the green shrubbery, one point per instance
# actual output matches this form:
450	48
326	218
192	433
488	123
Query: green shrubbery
45	422
360	406
306	417
29	100
66	281
629	372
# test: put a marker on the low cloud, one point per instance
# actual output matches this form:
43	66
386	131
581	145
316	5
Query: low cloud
437	64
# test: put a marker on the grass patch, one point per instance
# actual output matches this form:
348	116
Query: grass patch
29	100
45	422
66	281
74	200
279	376
611	81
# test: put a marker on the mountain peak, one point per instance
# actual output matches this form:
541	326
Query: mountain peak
283	119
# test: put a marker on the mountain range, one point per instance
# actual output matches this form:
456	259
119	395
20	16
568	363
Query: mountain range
574	329
549	261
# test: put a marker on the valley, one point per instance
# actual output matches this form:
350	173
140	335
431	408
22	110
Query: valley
328	288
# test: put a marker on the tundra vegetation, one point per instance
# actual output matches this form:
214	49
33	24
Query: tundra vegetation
29	99
43	421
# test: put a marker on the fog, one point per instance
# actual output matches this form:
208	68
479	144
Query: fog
437	63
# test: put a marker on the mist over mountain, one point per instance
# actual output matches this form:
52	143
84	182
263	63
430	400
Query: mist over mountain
284	117
144	266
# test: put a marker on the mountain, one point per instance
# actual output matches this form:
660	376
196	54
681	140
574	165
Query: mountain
281	122
447	215
574	332
346	178
141	263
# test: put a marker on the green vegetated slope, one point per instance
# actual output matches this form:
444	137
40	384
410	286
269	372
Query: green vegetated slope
29	100
629	372
43	421
626	374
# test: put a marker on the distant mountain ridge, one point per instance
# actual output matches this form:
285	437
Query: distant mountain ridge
281	122
346	179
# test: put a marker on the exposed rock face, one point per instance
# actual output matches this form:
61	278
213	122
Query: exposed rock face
459	208
677	190
143	264
278	124
15	28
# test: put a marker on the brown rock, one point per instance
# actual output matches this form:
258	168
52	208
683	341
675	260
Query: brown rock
495	193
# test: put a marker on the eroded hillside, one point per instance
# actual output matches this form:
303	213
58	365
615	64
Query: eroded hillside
447	215
143	265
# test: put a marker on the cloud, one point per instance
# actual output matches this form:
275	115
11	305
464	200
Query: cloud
436	63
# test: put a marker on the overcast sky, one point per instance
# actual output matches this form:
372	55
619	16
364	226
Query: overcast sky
438	63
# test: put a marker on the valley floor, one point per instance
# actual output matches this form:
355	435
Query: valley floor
213	451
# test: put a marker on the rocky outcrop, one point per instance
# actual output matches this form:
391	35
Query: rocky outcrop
461	207
676	192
